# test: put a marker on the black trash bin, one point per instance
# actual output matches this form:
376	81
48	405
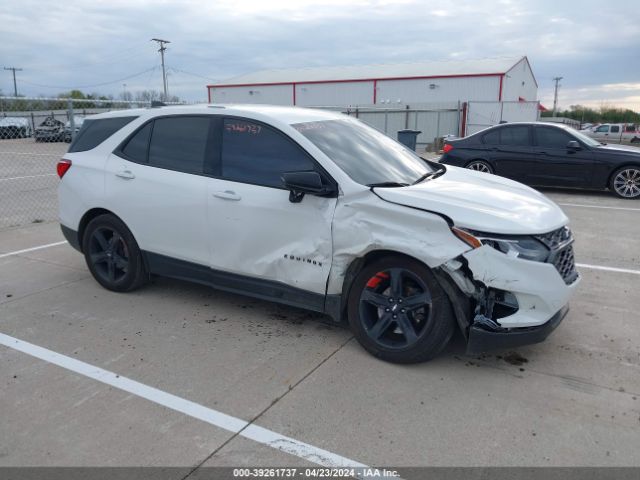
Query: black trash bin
408	138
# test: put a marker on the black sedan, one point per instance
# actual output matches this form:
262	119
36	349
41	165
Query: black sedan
543	154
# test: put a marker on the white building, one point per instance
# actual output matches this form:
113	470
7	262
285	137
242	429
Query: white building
486	80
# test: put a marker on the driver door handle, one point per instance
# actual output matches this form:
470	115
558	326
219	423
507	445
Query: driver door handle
227	195
125	174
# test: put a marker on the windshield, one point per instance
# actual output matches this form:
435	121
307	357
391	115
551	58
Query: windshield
366	155
584	138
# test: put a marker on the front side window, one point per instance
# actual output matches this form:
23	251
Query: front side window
603	129
552	137
257	154
515	136
179	143
368	156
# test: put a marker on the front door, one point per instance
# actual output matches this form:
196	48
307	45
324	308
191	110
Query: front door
255	230
558	165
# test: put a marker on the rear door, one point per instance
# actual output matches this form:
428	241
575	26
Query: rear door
254	229
558	165
509	148
155	183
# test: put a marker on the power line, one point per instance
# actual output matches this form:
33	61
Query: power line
193	74
161	50
90	86
15	85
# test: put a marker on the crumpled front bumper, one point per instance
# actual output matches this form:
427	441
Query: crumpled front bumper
481	340
541	293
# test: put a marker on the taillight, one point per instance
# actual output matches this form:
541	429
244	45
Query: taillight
447	148
63	166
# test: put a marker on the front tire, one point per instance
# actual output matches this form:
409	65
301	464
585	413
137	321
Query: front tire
112	254
479	166
625	183
398	311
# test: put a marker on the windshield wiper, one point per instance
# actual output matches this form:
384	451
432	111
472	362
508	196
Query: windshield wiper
429	175
387	184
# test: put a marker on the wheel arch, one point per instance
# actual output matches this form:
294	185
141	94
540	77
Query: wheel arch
616	169
87	217
460	303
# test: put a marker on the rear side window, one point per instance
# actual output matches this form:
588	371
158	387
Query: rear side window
179	143
94	132
136	147
492	138
552	137
615	129
515	136
257	154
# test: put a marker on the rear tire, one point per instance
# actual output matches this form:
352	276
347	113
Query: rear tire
479	166
625	182
112	254
398	311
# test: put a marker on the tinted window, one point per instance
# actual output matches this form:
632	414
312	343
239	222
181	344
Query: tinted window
517	136
94	132
615	129
552	137
366	155
136	147
179	143
254	153
492	138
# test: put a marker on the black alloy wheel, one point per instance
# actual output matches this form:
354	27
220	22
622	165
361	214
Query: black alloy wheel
399	312
112	254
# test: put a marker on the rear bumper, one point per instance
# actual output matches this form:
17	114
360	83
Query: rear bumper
481	340
71	236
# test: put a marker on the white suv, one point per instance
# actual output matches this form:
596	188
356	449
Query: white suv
317	210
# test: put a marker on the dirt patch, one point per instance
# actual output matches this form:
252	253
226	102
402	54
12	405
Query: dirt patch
514	358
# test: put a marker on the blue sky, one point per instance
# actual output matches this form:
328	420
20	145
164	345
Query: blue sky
100	46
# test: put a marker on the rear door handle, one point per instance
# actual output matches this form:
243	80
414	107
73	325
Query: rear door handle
125	174
227	195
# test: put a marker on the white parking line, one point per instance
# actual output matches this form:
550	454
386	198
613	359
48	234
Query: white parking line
608	269
599	206
28	176
32	249
208	415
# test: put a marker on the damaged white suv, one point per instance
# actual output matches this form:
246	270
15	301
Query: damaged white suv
317	210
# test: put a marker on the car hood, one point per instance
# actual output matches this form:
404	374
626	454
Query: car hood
482	202
617	148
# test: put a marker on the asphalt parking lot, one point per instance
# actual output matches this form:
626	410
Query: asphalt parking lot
178	374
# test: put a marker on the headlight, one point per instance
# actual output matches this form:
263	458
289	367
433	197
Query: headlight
525	247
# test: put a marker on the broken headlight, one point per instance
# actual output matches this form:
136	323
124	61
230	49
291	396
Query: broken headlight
518	246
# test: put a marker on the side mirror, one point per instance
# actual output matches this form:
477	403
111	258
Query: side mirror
300	183
574	145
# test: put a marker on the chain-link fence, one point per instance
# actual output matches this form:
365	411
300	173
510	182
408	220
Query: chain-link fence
34	134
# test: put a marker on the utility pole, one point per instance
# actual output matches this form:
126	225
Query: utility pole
161	50
555	94
15	86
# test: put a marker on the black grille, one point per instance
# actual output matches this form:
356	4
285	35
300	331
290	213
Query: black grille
557	238
564	262
560	243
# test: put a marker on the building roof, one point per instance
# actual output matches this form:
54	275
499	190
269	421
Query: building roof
485	66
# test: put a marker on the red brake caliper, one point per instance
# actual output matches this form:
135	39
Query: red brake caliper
376	279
